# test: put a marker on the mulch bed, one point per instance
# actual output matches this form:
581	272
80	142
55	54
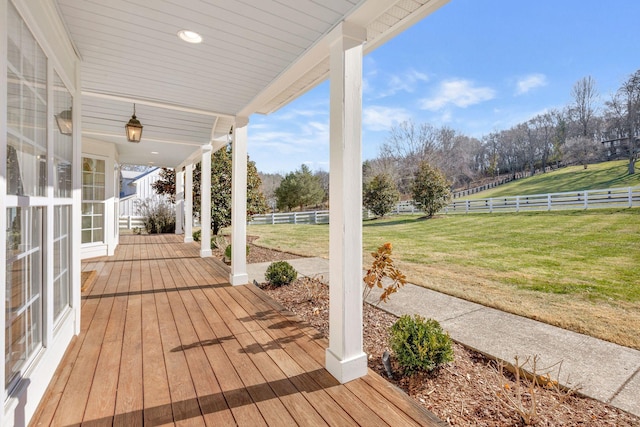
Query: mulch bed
463	392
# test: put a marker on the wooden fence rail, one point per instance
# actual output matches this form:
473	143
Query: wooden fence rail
130	222
591	199
313	217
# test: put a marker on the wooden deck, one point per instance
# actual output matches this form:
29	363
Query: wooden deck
166	340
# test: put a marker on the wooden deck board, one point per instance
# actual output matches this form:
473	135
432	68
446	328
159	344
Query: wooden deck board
165	340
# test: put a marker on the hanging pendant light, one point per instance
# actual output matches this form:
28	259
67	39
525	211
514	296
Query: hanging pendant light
65	122
134	128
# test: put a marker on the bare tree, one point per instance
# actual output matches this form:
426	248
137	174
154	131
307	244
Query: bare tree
543	127
407	146
582	150
623	117
583	109
270	181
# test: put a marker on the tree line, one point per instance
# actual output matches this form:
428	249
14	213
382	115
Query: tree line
425	162
584	131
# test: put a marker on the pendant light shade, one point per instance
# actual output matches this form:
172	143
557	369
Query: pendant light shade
134	128
65	122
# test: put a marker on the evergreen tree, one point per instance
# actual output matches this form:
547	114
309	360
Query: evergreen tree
380	195
299	188
430	189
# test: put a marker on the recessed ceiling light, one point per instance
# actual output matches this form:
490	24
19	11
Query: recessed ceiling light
190	36
154	152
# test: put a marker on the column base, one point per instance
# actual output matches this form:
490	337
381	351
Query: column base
188	239
205	253
239	279
346	370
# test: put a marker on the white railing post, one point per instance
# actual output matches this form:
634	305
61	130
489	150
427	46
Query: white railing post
129	227
517	203
548	202
315	217
295	218
466	206
491	205
630	197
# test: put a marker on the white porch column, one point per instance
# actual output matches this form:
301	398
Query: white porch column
205	202
188	203
239	274
345	358
179	201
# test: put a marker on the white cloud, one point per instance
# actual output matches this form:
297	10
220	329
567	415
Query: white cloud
379	118
530	82
302	113
458	92
391	84
405	82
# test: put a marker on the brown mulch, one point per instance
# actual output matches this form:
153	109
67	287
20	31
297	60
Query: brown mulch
257	254
463	392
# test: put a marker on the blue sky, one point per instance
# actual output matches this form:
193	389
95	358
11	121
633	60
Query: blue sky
476	66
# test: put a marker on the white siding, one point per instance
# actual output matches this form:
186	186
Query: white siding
143	191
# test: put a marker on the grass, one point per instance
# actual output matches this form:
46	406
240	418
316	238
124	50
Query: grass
573	178
575	269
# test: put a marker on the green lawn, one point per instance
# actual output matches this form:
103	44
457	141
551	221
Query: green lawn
576	269
573	178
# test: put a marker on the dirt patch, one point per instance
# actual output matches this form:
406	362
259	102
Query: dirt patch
462	393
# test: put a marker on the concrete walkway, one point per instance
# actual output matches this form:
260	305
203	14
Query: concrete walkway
605	371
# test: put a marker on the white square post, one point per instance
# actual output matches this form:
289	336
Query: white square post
188	203
239	274
205	201
179	200
345	358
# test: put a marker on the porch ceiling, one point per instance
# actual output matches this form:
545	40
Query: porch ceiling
255	57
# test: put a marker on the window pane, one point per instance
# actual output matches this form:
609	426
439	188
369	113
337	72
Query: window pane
93	195
24	282
62	258
63	139
26	111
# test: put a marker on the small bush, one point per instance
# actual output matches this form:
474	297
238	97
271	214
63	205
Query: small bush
227	251
280	273
420	344
218	241
158	216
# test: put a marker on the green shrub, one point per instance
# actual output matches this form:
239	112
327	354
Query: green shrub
420	344
218	241
280	273
227	251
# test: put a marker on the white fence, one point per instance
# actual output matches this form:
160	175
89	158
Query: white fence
315	217
590	199
130	222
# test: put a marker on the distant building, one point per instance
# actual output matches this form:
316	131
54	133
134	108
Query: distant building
136	186
618	148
